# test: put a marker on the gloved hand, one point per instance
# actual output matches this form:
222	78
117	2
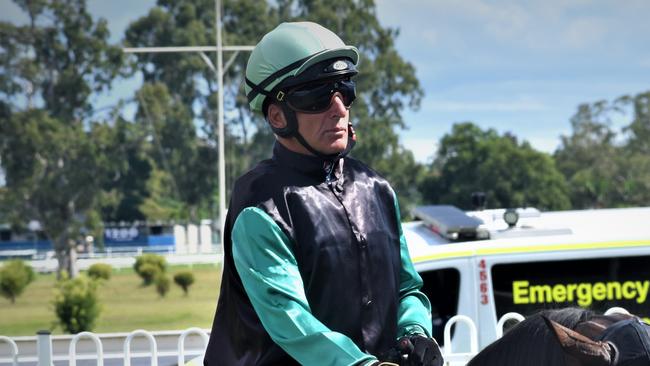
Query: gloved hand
421	351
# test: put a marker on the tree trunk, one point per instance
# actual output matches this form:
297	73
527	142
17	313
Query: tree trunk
67	259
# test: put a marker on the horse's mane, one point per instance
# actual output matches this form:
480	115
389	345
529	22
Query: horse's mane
530	343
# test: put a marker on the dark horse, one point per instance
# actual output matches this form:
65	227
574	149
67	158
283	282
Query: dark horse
571	337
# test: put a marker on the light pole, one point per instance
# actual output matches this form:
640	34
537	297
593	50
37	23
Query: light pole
219	71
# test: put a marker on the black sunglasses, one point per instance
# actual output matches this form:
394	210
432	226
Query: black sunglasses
317	98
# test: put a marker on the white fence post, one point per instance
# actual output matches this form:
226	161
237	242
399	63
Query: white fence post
98	345
153	347
473	336
14	349
502	322
44	347
181	341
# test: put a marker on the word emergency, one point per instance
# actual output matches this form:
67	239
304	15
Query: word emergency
583	293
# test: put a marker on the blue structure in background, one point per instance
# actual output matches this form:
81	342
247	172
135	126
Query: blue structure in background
122	238
138	236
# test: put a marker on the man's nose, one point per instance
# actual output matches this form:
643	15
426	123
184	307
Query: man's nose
338	108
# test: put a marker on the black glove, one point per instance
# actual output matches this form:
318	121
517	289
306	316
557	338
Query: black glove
421	351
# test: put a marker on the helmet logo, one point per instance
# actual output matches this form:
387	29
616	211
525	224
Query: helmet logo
340	65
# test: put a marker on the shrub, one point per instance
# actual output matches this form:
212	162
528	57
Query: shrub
184	279
100	270
15	275
148	272
76	304
162	284
146	260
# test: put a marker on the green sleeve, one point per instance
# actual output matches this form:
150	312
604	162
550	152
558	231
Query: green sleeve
269	273
414	309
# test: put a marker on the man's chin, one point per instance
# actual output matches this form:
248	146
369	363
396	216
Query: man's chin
337	147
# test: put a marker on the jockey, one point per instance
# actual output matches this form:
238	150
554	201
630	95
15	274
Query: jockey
316	267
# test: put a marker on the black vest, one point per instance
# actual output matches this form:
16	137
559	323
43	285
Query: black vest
345	237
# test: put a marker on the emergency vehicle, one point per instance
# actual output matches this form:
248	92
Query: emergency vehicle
485	264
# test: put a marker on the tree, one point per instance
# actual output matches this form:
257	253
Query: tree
183	86
189	160
54	175
52	160
100	271
15	275
512	174
587	157
163	284
149	266
603	169
639	128
184	279
76	303
636	161
125	190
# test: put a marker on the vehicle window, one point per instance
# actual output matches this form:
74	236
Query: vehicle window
442	287
597	284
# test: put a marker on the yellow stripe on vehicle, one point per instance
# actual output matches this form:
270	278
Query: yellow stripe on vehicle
533	249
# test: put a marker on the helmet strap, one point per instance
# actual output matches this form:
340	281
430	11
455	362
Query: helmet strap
292	123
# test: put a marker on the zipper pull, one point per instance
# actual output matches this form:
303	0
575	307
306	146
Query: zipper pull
330	170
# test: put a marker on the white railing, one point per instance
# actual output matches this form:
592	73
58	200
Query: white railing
502	322
98	346
13	347
181	342
40	347
153	347
45	357
463	357
616	310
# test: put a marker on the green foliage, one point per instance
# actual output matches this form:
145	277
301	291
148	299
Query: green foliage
100	270
154	259
188	160
148	266
148	272
163	284
15	275
602	168
52	154
639	128
184	279
76	304
512	174
126	189
161	204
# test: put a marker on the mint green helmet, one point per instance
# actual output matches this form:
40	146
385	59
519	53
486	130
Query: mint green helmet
287	51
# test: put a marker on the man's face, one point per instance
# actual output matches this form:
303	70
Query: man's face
327	132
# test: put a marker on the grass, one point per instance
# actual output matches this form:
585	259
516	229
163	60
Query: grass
126	305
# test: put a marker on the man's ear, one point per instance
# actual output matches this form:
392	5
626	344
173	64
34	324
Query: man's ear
275	116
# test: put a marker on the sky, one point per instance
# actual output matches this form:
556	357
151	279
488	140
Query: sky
515	66
518	66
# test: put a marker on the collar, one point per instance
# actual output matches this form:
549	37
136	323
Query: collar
303	163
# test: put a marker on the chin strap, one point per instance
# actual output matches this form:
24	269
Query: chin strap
291	130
